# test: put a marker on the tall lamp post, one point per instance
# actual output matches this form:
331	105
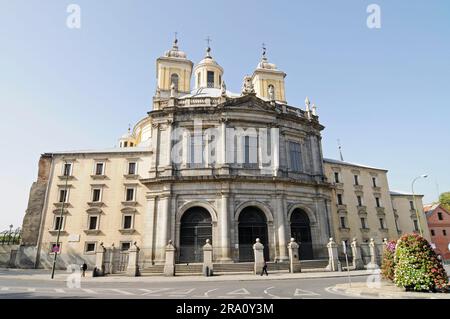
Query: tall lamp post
414	200
60	223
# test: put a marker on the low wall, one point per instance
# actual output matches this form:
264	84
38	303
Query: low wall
7	255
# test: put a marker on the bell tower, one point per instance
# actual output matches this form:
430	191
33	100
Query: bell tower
208	73
268	81
173	67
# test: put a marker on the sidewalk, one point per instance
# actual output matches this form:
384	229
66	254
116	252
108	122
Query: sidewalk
39	274
385	290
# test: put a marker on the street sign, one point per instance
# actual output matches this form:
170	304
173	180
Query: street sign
55	249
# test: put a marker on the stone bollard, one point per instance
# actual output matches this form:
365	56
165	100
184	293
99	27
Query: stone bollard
333	261
207	259
100	260
169	266
373	264
133	259
258	250
356	253
294	257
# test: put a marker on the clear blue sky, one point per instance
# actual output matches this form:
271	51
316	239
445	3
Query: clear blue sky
384	92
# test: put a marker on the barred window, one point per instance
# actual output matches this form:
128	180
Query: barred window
296	156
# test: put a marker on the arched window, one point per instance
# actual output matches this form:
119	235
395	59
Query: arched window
174	79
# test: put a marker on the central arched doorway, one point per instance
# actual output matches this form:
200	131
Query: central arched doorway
195	229
252	225
301	232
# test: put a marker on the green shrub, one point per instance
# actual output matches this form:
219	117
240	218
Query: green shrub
417	266
388	263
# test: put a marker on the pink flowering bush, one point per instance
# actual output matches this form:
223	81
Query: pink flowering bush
388	263
417	266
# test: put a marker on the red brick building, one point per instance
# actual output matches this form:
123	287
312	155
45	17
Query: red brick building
438	219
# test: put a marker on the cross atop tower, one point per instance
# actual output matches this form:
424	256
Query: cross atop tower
208	41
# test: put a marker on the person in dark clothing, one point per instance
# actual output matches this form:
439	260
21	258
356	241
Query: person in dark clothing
264	269
84	268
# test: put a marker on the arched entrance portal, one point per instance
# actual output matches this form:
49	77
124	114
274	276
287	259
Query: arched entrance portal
301	232
252	225
195	229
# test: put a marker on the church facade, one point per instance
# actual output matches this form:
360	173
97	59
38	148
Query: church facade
209	164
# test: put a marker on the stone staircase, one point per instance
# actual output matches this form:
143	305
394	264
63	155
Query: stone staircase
244	267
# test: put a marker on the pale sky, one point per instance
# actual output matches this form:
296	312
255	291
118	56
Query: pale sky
383	92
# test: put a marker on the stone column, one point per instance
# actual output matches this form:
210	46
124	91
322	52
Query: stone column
207	259
258	250
281	229
224	229
100	260
112	252
333	261
356	254
373	264
169	266
133	259
294	257
162	226
149	226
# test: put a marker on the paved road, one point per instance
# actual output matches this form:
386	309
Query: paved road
267	289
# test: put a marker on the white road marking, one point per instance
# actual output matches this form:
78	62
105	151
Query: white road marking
181	292
61	291
269	294
241	291
31	289
4	288
207	293
89	291
301	292
152	291
123	292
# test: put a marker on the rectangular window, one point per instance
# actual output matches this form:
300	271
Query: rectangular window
343	225
197	145
127	222
374	181
296	156
125	246
336	177
377	200
130	194
199	79
93	222
382	226
96	194
444	232
58	223
359	200
339	199
411	204
132	168
432	232
210	79
363	223
356	177
416	225
90	248
63	195
99	169
67	170
440	216
396	224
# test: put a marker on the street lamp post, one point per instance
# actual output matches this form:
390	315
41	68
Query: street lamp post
60	223
414	201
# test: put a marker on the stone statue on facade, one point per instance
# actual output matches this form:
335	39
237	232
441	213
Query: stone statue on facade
271	92
247	87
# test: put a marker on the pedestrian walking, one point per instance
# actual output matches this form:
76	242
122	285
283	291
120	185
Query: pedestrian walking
84	268
264	269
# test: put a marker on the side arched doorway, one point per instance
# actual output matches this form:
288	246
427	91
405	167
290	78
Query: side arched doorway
195	229
301	232
252	225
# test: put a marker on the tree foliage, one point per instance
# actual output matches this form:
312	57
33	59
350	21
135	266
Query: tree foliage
444	199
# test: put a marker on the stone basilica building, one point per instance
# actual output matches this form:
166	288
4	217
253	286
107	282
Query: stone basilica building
206	163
